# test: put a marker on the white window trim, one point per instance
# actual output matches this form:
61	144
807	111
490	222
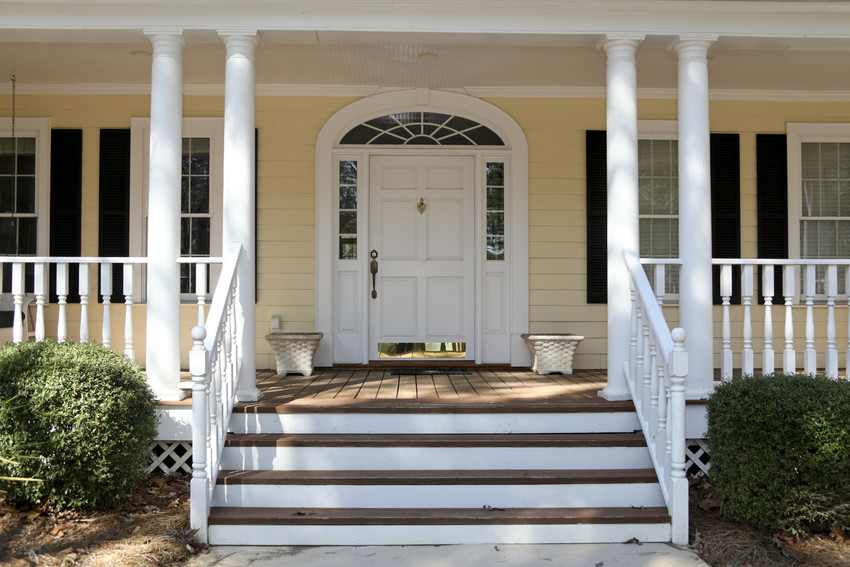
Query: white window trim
797	134
38	128
212	128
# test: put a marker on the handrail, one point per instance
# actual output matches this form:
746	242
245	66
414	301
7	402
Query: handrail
656	373
215	362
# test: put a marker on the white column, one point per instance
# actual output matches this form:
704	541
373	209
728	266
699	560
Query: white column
621	102
695	294
238	198
163	282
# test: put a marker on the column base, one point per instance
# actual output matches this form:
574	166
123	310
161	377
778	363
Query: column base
613	395
250	395
173	396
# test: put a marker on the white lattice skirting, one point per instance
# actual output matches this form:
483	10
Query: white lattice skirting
697	462
171	456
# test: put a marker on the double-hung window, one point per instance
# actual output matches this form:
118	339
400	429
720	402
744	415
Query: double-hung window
24	190
200	195
819	194
658	186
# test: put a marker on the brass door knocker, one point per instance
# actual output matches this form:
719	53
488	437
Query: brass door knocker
421	206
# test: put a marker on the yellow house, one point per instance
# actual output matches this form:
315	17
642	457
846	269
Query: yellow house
402	172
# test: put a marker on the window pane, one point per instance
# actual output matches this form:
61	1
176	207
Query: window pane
26	195
187	157
496	173
185	236
495	198
26	156
8	235
495	224
200	156
829	198
27	236
184	195
348	222
7	194
348	197
829	161
7	156
200	196
200	237
495	247
811	198
348	173
347	247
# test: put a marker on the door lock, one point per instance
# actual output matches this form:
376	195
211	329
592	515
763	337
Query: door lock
373	267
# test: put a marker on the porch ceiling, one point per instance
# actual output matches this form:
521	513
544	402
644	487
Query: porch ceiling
432	62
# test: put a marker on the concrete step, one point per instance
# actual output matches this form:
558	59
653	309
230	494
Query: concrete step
432	526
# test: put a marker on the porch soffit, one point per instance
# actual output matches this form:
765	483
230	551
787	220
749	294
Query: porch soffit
441	44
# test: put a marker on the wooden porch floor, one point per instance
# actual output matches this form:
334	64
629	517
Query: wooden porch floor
383	387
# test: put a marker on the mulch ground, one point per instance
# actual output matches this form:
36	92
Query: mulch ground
725	543
150	527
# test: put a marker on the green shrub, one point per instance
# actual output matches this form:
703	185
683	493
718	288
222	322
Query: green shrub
780	451
77	416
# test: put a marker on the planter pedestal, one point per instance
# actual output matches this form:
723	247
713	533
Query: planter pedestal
553	352
294	351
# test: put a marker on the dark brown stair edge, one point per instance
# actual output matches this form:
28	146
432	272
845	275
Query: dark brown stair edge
434	406
433	516
437	440
438	477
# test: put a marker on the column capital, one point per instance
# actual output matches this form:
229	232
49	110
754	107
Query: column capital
614	40
166	41
693	44
239	40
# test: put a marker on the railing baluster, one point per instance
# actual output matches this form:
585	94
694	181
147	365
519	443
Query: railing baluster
655	362
18	299
633	331
747	357
679	483
62	296
768	356
660	283
129	284
639	361
106	293
643	392
725	295
810	356
831	356
40	288
84	302
201	290
789	285
199	486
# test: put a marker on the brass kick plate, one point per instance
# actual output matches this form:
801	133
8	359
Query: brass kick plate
421	350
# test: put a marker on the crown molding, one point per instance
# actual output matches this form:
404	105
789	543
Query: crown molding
360	91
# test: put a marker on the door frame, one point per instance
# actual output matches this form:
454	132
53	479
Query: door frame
349	343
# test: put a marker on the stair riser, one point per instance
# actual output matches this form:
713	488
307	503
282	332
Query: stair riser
440	496
442	458
329	423
436	535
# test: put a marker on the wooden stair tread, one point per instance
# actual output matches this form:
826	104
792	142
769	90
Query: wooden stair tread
437	440
437	477
434	516
456	405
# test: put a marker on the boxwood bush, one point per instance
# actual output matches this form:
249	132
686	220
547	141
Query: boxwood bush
79	417
780	451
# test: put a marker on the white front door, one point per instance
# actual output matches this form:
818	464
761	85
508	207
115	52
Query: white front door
422	229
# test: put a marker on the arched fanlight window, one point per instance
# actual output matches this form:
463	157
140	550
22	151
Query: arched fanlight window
421	129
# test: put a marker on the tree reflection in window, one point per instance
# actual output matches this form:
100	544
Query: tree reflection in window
421	129
348	210
496	210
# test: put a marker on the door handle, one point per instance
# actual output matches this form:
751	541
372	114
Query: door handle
373	267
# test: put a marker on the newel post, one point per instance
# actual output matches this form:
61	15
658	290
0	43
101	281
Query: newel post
200	494
678	479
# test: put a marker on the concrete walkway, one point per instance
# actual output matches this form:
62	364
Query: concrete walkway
576	555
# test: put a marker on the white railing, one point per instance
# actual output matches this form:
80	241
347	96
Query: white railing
656	373
215	362
809	289
40	285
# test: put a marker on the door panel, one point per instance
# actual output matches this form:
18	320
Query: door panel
422	222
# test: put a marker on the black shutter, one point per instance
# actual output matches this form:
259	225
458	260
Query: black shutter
66	186
726	208
772	202
114	225
597	216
